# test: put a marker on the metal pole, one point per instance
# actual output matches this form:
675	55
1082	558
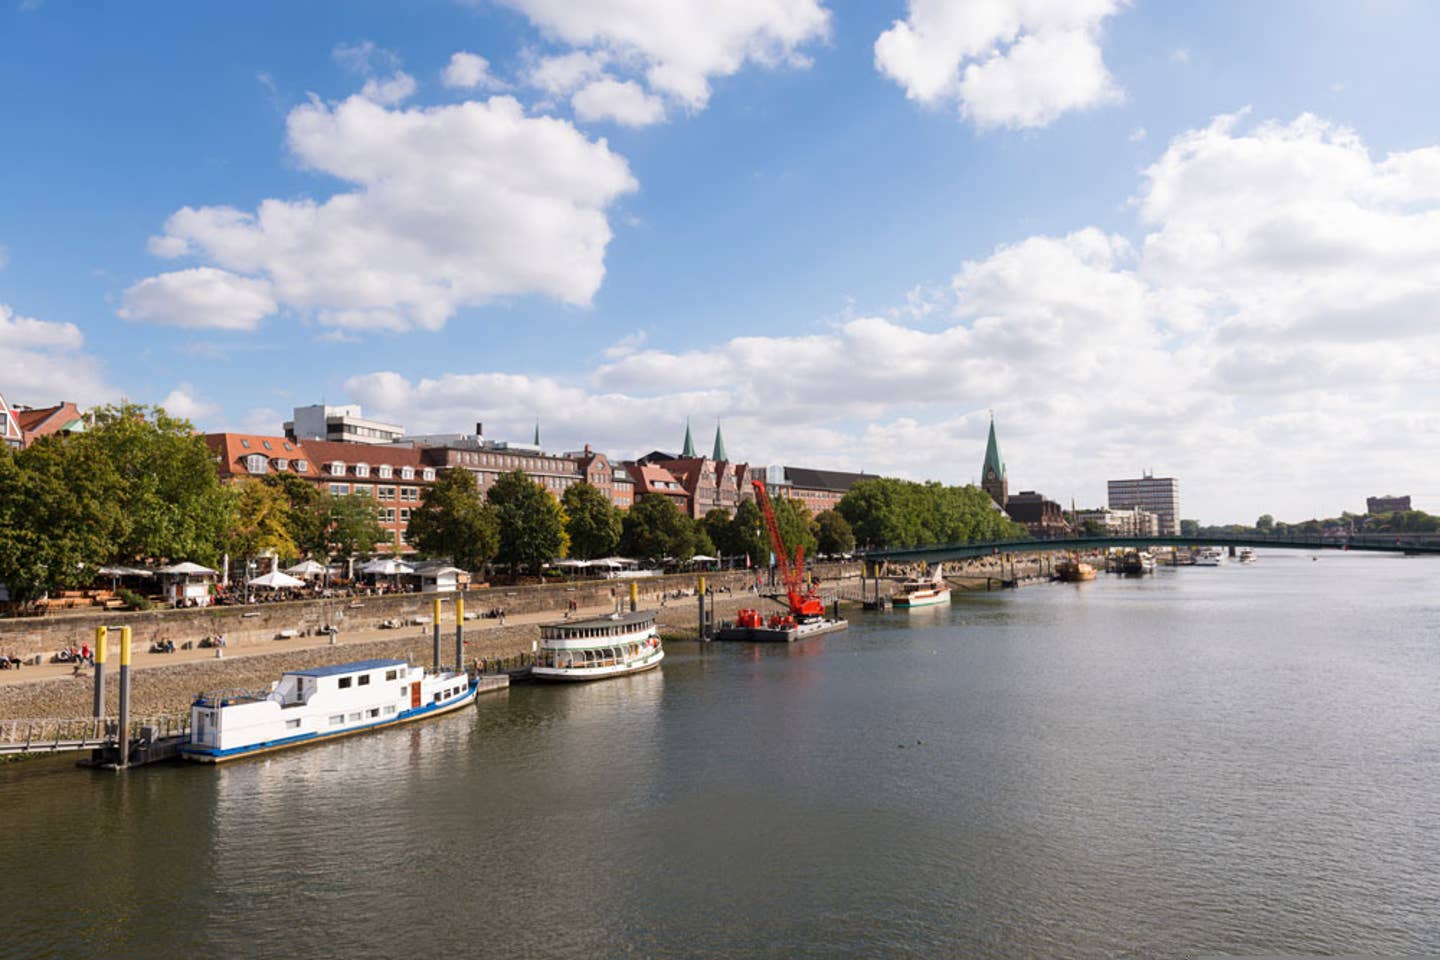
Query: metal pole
122	739
701	594
634	596
100	634
459	634
435	630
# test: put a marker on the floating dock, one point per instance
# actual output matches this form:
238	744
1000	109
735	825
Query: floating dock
802	631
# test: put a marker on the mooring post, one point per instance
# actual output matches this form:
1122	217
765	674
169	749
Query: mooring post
122	738
459	634
100	635
634	596
701	594
435	630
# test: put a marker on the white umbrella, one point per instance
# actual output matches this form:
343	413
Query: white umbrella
387	567
187	569
578	564
276	580
308	568
704	559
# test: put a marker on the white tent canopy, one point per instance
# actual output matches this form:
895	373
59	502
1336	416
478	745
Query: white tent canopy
187	569
124	572
307	568
387	567
276	580
576	564
704	559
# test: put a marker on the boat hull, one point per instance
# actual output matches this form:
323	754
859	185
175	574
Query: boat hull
211	755
912	602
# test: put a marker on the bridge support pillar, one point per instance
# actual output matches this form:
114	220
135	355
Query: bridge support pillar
122	736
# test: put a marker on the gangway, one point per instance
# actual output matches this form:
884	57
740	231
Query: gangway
66	734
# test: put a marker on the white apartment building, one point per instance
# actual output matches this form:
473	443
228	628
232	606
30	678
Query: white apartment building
1157	495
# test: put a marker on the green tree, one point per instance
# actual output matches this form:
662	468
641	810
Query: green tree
1189	528
1265	523
351	525
654	528
700	538
793	519
259	521
745	534
833	534
454	521
716	524
59	516
592	522
170	493
532	522
306	509
884	512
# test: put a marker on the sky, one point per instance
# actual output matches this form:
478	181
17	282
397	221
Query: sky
1201	240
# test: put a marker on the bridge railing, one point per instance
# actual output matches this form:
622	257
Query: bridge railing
1363	541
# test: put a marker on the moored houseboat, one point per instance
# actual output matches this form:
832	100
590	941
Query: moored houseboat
321	703
598	647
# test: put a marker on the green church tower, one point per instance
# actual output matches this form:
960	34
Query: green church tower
993	480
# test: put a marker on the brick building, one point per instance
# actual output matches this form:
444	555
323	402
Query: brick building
36	422
1386	504
10	435
1044	518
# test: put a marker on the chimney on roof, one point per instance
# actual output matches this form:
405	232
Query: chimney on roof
587	450
479	429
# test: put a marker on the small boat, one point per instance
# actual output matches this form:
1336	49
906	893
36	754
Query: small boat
598	647
1208	557
923	592
321	703
1246	555
1136	563
1072	570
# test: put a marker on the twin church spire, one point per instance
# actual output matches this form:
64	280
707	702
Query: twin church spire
688	451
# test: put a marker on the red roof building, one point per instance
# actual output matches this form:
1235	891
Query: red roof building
47	421
10	435
649	478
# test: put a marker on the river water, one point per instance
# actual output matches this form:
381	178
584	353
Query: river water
1241	760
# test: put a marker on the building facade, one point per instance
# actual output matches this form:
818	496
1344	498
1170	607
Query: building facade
819	490
1121	523
36	422
1158	495
10	435
1045	519
711	483
1387	504
343	424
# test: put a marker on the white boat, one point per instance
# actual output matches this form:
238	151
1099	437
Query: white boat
923	592
1247	555
321	703
1208	557
598	647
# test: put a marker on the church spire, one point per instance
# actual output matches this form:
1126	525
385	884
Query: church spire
992	471
719	453
689	450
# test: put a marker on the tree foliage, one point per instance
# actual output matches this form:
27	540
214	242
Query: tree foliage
593	523
796	526
454	521
259	521
306	511
532	522
654	528
351	526
169	492
60	516
885	512
833	534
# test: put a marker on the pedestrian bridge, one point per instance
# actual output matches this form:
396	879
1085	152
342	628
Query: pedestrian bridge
59	735
1374	543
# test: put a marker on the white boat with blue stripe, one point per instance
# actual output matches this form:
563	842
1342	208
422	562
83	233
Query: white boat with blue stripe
321	703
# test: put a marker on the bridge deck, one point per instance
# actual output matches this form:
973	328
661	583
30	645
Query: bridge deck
1384	543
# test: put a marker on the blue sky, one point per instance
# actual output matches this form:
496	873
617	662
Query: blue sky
846	230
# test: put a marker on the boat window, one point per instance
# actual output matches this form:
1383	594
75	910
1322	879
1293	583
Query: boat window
374	711
389	708
345	682
338	718
365	680
391	674
355	716
292	724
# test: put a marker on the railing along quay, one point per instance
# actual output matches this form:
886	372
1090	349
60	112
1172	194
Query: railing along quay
59	734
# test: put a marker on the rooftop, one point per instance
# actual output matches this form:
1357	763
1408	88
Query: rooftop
357	666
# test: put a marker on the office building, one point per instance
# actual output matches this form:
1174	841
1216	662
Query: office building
1158	495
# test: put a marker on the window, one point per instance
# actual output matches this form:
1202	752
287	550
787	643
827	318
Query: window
405	514
389	709
345	682
266	444
386	515
407	473
292	724
355	716
301	466
362	469
255	463
386	471
374	711
281	463
365	680
287	446
410	494
339	489
391	674
337	469
245	444
428	474
338	718
386	493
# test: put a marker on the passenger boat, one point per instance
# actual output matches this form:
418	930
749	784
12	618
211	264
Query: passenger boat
923	592
321	703
598	647
1247	555
1072	570
1208	557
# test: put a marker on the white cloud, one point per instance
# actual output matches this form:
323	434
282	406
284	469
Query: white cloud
453	205
469	71
199	297
390	90
1006	63
624	102
186	403
1269	340
43	362
364	58
682	45
567	72
626	345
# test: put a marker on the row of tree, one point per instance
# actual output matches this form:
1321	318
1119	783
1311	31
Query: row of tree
884	512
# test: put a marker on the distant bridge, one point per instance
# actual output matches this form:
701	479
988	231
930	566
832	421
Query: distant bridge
1373	543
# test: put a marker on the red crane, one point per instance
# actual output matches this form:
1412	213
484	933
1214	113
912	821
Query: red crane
802	604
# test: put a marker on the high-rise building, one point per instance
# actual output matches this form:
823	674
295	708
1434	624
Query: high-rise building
342	424
1158	495
992	472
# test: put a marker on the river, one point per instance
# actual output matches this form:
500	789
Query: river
1241	760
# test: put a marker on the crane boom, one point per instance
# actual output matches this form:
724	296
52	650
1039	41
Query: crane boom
801	604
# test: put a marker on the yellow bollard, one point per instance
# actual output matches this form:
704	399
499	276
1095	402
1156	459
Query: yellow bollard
702	585
459	634
435	608
124	646
634	596
122	735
